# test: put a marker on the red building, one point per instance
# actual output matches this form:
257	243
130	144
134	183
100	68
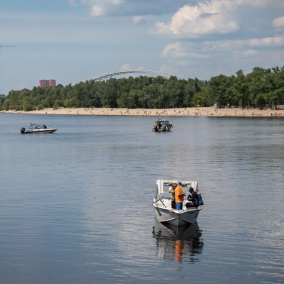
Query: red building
47	83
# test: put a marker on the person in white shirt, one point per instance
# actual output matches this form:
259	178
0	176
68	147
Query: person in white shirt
172	191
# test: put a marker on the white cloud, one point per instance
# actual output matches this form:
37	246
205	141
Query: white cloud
221	48
278	23
127	67
139	20
174	47
178	50
73	3
257	3
101	7
213	17
268	41
168	68
227	45
97	10
263	3
250	53
223	62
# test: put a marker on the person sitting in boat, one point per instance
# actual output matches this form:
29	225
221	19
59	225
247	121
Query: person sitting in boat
179	195
193	197
172	191
44	126
156	127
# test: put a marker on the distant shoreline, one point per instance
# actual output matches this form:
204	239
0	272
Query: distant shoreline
199	111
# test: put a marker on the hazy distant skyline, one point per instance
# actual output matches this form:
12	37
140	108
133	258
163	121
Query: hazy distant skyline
75	40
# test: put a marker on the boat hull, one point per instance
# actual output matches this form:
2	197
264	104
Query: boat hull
165	129
39	131
176	217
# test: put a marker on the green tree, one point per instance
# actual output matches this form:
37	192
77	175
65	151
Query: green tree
6	104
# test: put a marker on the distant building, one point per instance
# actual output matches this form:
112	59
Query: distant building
47	83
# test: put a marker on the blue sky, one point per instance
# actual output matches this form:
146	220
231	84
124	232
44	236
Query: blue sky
75	40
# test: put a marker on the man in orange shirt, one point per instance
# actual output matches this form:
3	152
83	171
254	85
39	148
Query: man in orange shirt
179	194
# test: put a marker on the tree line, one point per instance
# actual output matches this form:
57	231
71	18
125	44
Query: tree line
260	88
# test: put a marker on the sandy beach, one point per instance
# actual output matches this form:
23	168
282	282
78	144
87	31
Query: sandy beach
200	111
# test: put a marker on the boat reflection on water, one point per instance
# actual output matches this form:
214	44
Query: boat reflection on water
178	243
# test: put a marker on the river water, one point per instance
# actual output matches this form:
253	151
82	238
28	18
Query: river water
76	205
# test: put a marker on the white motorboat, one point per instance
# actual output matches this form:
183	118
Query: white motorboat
163	204
37	128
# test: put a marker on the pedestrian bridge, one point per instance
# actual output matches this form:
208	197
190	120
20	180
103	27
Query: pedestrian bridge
117	73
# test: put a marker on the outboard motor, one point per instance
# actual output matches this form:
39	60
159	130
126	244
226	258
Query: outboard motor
23	130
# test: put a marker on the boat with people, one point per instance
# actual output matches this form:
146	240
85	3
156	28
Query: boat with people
163	205
162	126
37	128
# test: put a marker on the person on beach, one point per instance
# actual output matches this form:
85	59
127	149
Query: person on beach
172	191
179	195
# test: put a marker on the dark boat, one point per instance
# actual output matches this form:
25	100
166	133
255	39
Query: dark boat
162	126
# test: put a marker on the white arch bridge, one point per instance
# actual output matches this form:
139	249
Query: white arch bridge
117	73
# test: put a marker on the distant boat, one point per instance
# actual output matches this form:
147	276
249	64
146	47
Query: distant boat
162	203
37	128
162	126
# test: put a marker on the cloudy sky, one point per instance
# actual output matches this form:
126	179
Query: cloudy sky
75	40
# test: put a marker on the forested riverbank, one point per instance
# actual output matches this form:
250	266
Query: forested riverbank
261	88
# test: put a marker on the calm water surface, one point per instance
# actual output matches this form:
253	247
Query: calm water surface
76	205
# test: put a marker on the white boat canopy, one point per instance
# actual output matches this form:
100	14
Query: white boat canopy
167	183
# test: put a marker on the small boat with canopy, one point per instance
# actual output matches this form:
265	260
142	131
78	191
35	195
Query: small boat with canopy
162	126
162	203
37	128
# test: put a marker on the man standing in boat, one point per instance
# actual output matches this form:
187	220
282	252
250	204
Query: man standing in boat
172	191
179	195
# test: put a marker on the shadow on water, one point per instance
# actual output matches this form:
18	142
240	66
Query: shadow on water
179	244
